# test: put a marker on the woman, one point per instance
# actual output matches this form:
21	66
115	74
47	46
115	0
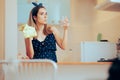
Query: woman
43	46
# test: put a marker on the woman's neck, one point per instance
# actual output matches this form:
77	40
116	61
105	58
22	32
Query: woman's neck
40	28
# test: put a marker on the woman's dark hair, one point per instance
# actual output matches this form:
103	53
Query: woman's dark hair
114	70
36	9
32	22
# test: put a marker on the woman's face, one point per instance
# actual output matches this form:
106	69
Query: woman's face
41	17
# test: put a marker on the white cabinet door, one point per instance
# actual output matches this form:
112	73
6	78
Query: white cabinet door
93	51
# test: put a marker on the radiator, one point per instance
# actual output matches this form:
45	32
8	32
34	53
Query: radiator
40	69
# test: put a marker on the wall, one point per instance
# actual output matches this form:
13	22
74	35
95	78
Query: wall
107	23
55	9
2	28
87	22
11	29
82	16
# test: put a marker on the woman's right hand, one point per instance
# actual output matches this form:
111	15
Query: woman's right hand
21	56
28	31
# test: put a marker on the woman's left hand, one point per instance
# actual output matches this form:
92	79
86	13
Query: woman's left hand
65	23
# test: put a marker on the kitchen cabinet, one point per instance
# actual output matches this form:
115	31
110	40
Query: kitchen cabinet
94	51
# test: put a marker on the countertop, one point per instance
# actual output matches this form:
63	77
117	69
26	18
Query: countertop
83	63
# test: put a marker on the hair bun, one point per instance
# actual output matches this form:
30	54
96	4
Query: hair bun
35	4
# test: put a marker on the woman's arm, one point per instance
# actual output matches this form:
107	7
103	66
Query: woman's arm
62	42
29	47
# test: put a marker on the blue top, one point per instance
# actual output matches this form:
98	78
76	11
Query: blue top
45	49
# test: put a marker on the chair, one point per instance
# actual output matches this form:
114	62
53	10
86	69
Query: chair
36	69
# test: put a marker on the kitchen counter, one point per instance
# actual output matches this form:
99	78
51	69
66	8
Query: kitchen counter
83	63
83	70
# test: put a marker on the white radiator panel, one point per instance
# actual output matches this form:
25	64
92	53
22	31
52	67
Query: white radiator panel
28	70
